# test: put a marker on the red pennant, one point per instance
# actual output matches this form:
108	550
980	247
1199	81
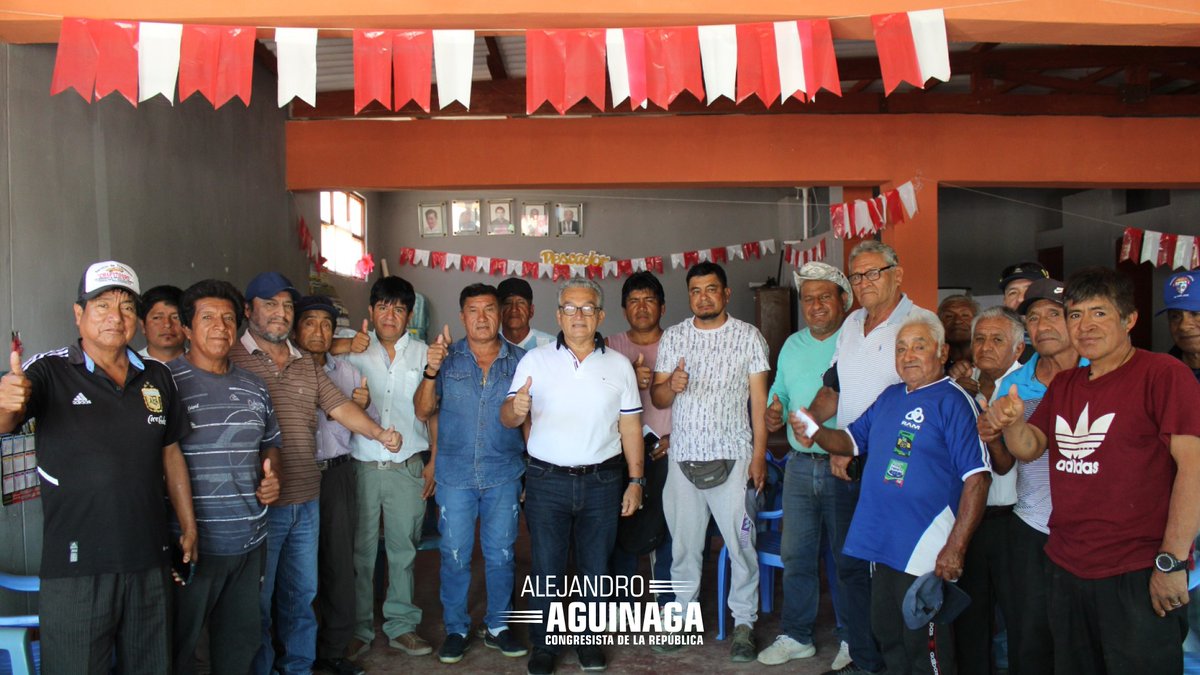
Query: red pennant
497	265
235	68
199	52
690	258
594	271
372	68
76	61
673	64
562	272
529	269
655	264
635	62
718	254
820	63
468	263
585	72
1131	245
897	53
624	268
749	249
117	59
406	255
757	63
837	220
875	209
1166	250
895	208
787	252
544	67
412	68
437	260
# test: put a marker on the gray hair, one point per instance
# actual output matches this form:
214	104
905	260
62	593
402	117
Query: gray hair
872	246
959	298
1015	325
928	320
582	283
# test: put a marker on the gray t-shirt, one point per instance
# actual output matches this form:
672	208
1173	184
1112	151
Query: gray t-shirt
232	421
711	418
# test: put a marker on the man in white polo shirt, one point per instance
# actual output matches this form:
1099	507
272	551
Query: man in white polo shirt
864	365
581	404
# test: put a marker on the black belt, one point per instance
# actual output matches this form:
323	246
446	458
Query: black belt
326	464
997	511
614	463
812	455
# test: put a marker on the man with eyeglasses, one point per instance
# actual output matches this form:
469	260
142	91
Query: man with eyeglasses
863	366
580	406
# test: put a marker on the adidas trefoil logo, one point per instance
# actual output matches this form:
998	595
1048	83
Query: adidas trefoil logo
80	399
1076	444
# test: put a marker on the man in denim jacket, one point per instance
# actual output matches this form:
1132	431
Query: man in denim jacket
478	467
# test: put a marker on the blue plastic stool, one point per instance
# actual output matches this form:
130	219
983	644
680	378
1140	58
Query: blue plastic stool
14	630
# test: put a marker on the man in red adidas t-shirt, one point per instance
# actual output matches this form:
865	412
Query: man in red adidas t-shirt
1124	443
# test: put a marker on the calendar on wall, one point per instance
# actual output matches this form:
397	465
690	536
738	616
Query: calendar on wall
20	477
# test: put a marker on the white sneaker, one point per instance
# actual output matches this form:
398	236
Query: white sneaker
785	649
843	657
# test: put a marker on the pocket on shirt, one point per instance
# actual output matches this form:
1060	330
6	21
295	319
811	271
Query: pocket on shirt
455	384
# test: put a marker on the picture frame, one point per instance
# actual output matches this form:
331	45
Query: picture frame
500	217
535	219
431	219
569	219
464	217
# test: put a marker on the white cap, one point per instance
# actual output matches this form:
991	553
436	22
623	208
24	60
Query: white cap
105	276
819	271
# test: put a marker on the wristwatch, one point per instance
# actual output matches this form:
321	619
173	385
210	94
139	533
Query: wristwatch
1166	563
640	480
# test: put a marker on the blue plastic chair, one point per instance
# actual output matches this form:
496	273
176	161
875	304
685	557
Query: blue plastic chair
767	544
15	630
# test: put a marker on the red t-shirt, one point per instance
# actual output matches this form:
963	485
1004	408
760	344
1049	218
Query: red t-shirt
1111	470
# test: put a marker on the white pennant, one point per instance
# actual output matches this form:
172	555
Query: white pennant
718	57
1150	244
767	245
512	267
453	261
296	56
610	269
929	38
618	66
908	198
735	251
790	58
862	219
639	264
578	270
704	255
545	270
158	59
676	260
483	264
1184	245
420	257
454	61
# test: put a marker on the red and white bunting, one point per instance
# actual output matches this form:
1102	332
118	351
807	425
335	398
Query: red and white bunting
296	61
864	218
912	48
719	58
626	55
1175	251
1184	250
806	60
158	60
454	59
564	67
798	253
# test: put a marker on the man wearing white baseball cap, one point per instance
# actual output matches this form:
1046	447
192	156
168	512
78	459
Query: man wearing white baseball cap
108	431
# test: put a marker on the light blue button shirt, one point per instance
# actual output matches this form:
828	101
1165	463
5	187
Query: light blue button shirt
392	384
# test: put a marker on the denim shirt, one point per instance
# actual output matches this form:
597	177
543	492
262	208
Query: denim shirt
474	450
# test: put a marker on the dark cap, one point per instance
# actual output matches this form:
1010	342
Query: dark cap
269	284
1182	291
321	302
931	599
102	277
1042	289
514	286
1026	270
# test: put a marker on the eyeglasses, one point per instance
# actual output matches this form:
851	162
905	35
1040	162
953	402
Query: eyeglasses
586	310
869	275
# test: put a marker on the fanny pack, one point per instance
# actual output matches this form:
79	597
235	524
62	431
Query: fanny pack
709	474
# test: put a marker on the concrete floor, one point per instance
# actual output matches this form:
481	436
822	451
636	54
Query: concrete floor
711	657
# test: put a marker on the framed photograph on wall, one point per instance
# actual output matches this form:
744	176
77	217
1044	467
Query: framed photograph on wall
535	219
464	217
500	217
570	219
431	219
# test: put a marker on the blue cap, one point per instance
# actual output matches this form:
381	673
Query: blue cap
932	600
311	302
1182	291
269	284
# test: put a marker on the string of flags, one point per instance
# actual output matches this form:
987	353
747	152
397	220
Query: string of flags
310	246
773	61
1175	251
866	217
797	253
443	260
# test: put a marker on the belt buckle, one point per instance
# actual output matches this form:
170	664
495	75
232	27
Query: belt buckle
382	465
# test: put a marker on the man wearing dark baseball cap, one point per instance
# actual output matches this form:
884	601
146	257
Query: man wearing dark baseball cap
516	311
1015	279
109	425
1181	295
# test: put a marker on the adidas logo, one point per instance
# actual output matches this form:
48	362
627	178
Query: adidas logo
80	399
1077	443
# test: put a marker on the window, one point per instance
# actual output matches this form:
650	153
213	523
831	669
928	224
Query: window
343	231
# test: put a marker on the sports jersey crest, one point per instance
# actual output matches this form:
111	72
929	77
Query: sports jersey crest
152	398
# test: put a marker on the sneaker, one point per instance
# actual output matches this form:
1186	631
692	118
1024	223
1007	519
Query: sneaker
410	643
357	649
591	658
506	642
338	666
453	648
848	669
542	662
743	649
785	649
843	657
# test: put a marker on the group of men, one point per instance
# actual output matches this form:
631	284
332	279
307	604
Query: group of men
929	455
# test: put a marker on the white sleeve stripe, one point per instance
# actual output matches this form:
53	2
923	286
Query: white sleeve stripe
972	472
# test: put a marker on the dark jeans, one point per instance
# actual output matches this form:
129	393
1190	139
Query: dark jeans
223	595
1030	647
84	619
855	587
335	560
660	566
925	651
560	510
1108	626
986	578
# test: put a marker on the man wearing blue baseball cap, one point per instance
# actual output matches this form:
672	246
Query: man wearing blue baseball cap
1181	295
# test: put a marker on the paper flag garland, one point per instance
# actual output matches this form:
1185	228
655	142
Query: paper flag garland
912	48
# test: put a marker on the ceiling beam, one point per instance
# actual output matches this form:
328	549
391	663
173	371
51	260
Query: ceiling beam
495	59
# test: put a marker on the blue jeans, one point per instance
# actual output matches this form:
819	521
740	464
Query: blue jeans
497	510
561	509
291	581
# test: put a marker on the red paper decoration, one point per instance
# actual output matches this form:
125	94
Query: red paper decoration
372	68
673	64
497	265
757	63
406	256
1131	245
529	269
412	67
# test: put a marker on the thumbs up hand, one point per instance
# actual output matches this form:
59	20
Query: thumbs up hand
361	395
522	401
15	388
642	372
679	378
1006	410
268	487
438	351
774	415
391	439
362	339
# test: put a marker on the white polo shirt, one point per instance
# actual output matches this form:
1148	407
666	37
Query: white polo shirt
866	364
576	404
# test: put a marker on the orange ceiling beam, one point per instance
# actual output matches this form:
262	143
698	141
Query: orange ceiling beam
1098	22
